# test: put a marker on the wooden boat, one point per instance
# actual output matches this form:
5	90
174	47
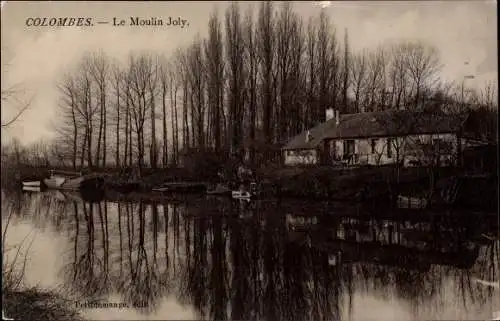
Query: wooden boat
220	189
299	222
181	187
31	184
242	195
56	181
32	189
333	259
412	202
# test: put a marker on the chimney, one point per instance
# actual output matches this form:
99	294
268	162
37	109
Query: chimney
329	114
337	117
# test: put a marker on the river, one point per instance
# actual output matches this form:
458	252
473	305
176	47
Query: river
218	259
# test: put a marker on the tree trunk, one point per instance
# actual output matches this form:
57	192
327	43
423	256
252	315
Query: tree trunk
118	125
104	128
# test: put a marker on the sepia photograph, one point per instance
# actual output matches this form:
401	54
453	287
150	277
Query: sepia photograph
250	160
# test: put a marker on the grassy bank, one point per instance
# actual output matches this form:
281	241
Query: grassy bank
37	304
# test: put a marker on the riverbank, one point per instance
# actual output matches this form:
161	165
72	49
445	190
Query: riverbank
36	304
321	182
318	183
361	184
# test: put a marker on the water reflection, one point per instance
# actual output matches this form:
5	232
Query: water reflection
213	258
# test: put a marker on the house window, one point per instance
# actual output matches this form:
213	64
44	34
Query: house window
389	147
374	146
436	141
349	147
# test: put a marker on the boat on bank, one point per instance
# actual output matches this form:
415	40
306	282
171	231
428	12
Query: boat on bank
58	181
181	187
412	202
221	190
73	181
241	195
32	189
32	184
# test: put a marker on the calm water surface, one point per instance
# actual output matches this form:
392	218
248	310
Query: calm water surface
212	258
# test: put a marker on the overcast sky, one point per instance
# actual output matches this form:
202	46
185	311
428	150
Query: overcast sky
463	31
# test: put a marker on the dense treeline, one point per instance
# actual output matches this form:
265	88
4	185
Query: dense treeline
258	78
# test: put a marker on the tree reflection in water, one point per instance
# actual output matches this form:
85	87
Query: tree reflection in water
238	261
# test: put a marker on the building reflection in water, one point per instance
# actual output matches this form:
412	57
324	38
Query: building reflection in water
265	260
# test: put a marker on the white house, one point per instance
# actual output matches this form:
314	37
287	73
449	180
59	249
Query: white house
377	138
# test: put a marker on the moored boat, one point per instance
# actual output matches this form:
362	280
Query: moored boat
31	189
31	184
243	195
412	202
56	181
181	187
220	189
299	222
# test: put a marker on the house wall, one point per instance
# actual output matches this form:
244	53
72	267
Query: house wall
447	154
402	149
301	157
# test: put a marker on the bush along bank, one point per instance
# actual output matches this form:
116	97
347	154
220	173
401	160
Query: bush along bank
359	184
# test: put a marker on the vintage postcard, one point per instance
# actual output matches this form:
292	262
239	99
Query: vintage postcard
303	160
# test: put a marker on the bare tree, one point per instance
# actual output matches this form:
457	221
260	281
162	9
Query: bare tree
283	63
376	80
398	75
252	73
297	77
266	53
312	70
215	80
196	70
174	88
127	155
345	72
267	74
69	105
484	108
152	88
141	73
118	79
423	64
236	75
87	110
488	95
290	47
327	67
358	79
99	70
164	87
13	95
182	69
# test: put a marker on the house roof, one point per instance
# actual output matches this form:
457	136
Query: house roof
378	124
